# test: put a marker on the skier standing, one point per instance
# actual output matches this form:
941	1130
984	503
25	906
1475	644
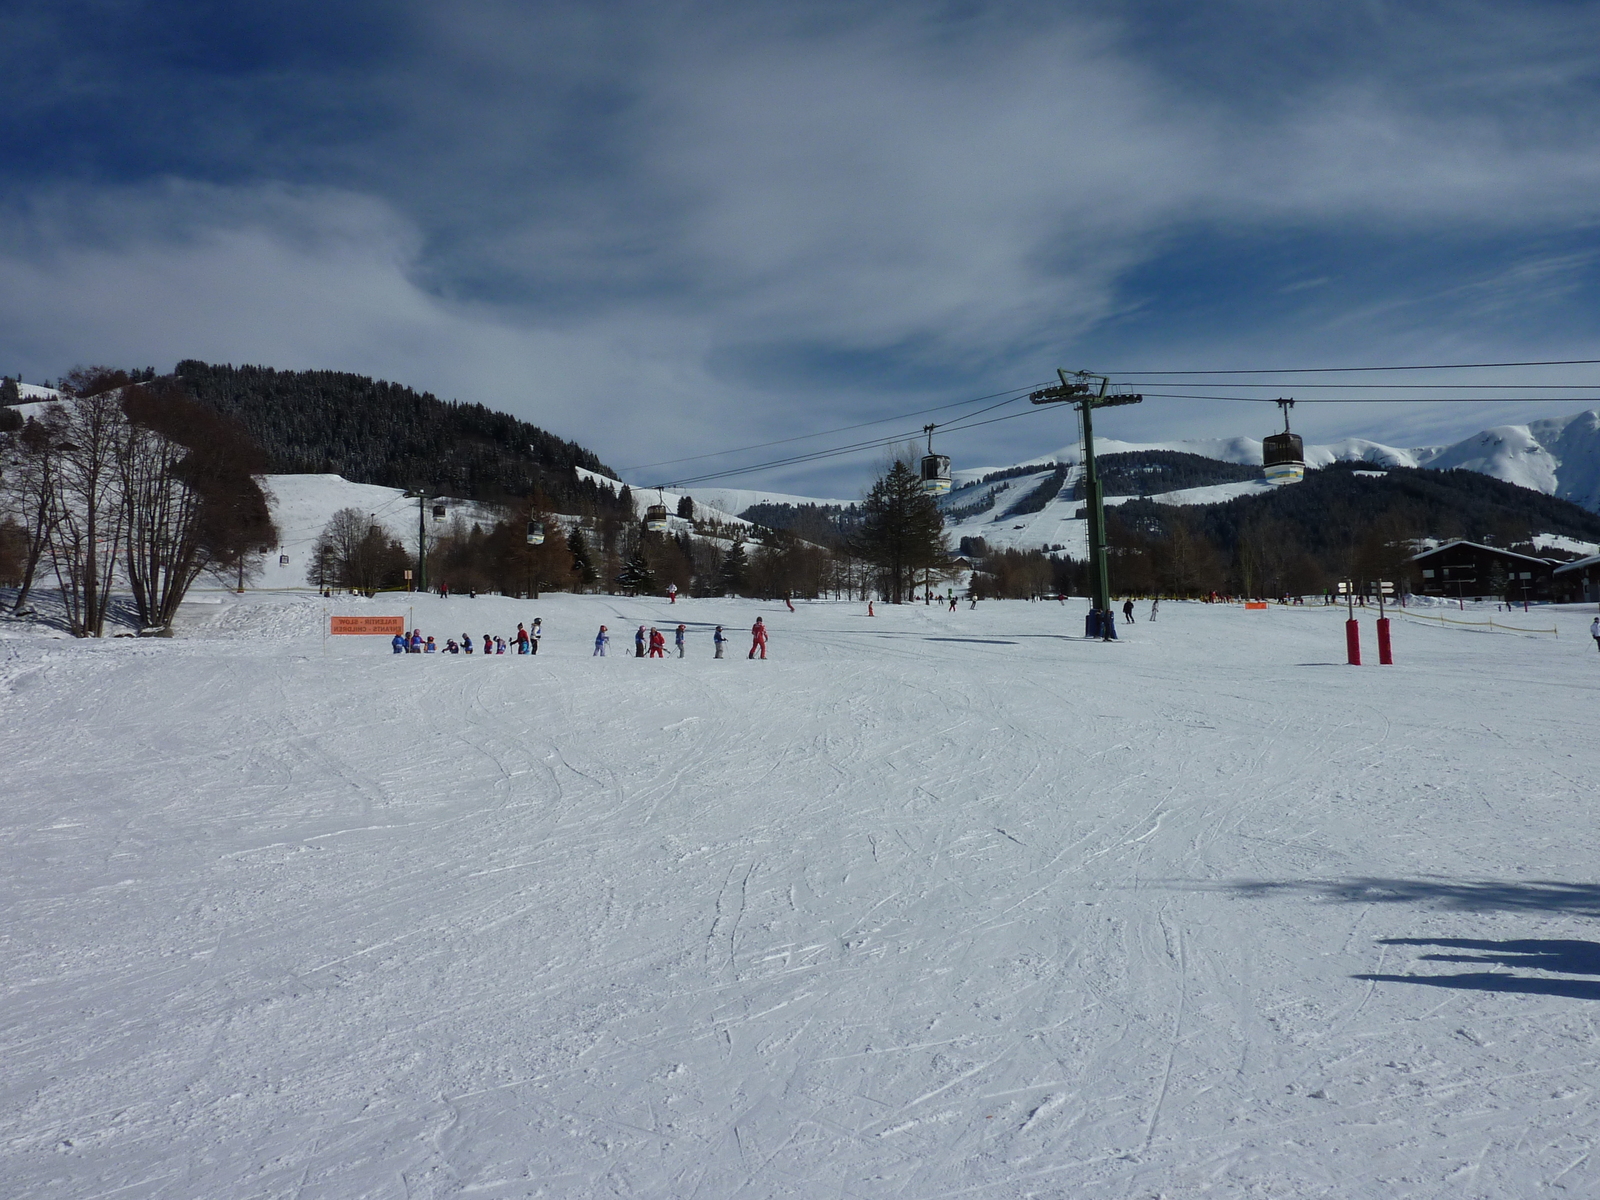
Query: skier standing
1594	632
1154	606
677	637
466	643
522	639
638	643
1127	610
758	638
658	643
716	640
672	593
601	641
535	634
399	643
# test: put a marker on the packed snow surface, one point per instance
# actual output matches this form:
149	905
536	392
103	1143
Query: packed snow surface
928	904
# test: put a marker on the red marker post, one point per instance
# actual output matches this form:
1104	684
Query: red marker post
1385	651
1352	628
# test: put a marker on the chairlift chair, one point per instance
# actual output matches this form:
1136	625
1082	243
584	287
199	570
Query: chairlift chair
935	468
1283	455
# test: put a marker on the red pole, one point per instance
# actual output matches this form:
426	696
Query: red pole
1352	641
1385	653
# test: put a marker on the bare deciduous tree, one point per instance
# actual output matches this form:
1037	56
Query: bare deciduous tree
88	518
29	488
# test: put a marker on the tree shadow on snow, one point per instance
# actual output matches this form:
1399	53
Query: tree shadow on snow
1471	895
1568	956
1488	981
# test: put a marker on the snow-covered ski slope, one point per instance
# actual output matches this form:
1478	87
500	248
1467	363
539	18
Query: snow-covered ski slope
302	506
927	905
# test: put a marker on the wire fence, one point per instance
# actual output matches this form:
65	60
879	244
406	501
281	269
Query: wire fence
1489	626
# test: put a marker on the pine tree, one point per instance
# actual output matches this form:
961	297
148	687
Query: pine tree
902	531
637	576
686	507
582	566
735	569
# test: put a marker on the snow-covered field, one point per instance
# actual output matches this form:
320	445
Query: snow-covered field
929	904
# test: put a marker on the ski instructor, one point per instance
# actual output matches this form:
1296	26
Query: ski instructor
758	639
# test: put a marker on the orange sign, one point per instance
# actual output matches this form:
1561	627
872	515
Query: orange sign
1261	604
386	626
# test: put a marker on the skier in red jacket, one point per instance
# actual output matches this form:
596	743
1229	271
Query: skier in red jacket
658	643
758	639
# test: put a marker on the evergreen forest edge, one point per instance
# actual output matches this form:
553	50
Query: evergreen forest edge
1343	521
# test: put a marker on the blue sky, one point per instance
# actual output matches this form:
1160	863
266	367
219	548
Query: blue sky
669	228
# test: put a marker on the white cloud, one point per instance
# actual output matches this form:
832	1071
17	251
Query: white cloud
652	202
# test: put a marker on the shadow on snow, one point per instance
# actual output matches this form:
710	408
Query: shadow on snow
1471	895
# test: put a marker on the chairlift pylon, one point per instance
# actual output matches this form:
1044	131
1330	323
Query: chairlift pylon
1283	455
935	468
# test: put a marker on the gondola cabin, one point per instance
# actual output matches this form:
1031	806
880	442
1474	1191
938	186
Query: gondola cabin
935	468
438	512
655	518
1283	458
1283	455
535	533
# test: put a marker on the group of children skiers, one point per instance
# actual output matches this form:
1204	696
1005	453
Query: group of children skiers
524	641
653	644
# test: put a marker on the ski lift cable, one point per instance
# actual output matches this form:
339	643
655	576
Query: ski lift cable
1437	387
961	424
1554	362
1385	399
1011	394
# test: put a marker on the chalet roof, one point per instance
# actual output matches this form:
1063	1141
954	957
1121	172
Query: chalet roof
1543	562
1578	565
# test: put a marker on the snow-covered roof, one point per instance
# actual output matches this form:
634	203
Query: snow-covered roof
1543	562
1580	564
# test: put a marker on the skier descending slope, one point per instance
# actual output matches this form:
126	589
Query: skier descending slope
758	638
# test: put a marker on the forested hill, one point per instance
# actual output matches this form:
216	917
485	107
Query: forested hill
371	431
1340	504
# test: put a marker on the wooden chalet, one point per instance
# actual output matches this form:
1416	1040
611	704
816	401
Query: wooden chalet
1574	582
1463	570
